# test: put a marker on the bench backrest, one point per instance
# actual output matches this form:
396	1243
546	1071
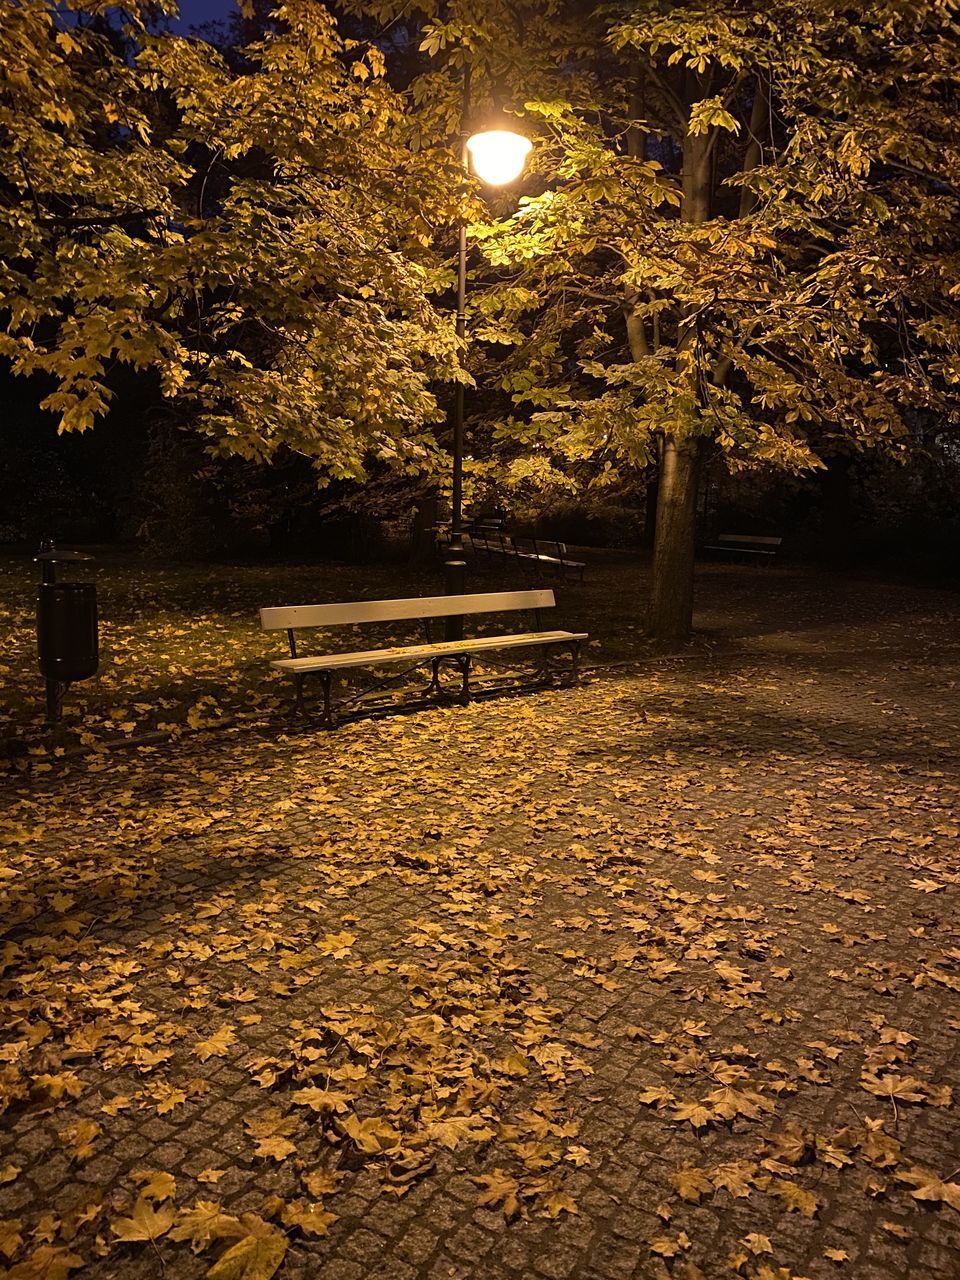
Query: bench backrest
291	617
749	539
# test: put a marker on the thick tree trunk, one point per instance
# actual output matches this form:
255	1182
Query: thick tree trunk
671	605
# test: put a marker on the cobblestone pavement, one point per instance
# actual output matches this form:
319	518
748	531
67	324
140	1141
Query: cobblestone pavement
656	976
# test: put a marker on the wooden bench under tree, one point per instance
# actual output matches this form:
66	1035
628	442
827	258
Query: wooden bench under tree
457	653
746	544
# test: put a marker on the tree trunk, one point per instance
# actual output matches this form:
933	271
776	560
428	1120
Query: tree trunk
758	132
671	605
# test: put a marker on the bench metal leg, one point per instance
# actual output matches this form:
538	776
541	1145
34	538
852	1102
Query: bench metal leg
434	685
328	717
543	666
464	665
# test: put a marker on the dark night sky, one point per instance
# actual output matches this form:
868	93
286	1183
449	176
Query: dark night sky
195	12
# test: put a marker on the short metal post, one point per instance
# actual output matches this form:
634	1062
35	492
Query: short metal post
55	689
327	710
298	683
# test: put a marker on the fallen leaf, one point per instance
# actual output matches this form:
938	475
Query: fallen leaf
252	1258
145	1223
217	1045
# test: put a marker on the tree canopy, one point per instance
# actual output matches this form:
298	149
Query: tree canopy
742	238
738	234
254	231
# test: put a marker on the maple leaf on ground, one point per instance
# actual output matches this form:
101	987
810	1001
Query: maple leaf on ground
145	1223
205	1222
371	1136
698	1115
154	1185
10	1237
656	1097
9	1173
329	1100
311	1219
271	1129
321	1182
668	1247
252	1258
757	1243
336	944
275	1148
450	1131
836	1255
728	1103
49	1262
797	1199
80	1137
903	1088
928	1187
500	1190
691	1184
217	1045
736	1177
557	1202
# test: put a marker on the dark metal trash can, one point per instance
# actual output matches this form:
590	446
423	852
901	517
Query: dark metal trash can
67	637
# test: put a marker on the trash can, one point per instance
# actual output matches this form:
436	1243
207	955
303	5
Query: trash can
67	639
67	632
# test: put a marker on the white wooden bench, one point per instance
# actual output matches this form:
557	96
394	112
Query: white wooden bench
293	618
746	544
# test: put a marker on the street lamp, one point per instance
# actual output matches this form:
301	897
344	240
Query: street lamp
496	153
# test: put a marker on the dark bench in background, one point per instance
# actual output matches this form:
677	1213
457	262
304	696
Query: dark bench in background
749	546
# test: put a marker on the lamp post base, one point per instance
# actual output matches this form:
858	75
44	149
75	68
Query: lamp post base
454	577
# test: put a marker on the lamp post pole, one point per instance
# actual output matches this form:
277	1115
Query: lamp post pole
497	153
455	566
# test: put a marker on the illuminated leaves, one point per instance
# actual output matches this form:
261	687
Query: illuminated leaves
306	331
500	1191
145	1223
271	1130
80	1137
252	1258
217	1045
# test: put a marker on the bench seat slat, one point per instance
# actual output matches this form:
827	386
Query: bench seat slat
370	657
749	539
746	551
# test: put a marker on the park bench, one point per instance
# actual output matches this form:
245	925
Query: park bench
555	557
528	553
746	544
458	653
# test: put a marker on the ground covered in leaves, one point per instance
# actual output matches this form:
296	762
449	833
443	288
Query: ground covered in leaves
654	977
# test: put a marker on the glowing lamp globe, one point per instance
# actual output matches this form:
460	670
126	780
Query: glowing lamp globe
498	155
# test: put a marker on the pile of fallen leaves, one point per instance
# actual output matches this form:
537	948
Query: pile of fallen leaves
254	992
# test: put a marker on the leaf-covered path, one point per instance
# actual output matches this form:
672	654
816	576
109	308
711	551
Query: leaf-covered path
654	977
